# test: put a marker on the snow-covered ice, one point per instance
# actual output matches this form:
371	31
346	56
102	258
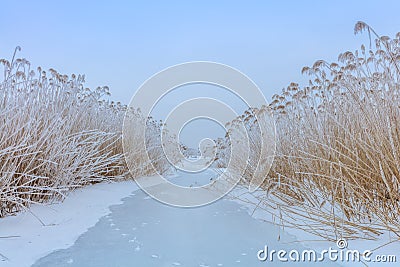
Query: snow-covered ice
93	227
56	226
183	237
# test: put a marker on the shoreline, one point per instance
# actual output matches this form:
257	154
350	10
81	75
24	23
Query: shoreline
63	222
53	226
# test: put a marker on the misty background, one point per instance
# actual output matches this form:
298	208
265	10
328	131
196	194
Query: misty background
124	43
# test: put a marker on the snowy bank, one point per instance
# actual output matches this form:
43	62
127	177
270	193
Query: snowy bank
30	235
386	245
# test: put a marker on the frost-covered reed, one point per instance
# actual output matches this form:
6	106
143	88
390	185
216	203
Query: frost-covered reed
57	135
337	167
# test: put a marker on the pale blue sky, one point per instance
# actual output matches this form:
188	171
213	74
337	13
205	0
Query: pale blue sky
122	43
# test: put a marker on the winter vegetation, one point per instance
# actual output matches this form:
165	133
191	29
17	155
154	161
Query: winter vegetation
336	170
56	135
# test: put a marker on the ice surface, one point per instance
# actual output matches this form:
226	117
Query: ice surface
140	231
154	234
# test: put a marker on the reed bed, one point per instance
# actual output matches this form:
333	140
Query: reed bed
336	172
56	135
337	164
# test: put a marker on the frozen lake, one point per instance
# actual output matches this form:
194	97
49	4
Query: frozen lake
145	232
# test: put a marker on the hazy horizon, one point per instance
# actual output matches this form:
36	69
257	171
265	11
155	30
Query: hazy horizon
122	45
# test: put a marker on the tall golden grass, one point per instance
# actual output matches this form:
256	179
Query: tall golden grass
57	135
336	172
